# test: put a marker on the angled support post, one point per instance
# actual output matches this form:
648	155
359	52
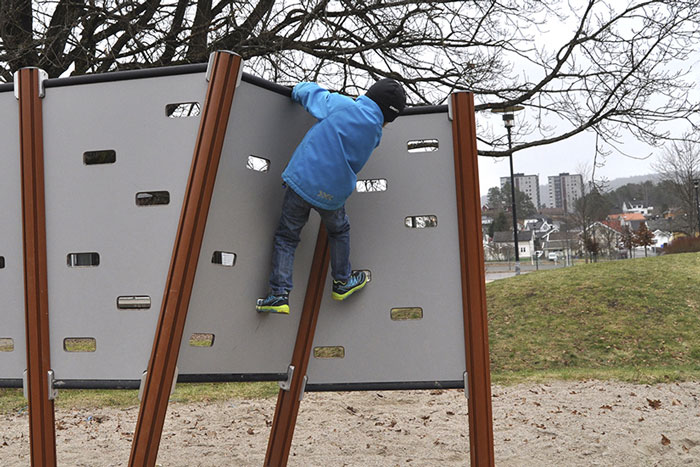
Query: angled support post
29	89
224	75
473	279
288	401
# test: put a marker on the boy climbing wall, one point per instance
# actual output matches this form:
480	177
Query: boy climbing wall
322	174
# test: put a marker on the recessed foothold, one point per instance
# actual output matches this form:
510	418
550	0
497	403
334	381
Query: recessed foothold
420	222
423	145
371	185
183	110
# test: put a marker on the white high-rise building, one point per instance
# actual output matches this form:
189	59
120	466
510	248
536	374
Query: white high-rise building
564	189
528	184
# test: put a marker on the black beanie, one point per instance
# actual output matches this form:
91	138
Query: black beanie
389	96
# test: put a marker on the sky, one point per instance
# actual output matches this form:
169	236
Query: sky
567	156
578	151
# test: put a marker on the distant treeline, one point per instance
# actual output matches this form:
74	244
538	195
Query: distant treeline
660	195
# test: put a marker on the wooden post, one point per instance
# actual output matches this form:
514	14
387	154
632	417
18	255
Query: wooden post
42	433
224	74
288	401
473	279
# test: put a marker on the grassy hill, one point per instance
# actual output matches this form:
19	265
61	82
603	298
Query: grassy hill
636	320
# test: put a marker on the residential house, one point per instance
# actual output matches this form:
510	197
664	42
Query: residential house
608	235
640	207
562	243
502	246
629	219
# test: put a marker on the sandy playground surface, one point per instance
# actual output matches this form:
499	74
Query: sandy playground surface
589	423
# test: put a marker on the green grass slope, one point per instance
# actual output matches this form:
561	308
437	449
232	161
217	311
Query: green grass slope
635	320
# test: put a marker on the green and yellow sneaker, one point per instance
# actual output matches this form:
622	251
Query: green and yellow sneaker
273	304
342	290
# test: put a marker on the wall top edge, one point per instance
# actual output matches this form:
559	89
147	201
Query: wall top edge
188	69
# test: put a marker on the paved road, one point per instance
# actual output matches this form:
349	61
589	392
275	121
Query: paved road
495	271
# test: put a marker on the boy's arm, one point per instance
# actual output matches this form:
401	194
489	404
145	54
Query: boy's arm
316	100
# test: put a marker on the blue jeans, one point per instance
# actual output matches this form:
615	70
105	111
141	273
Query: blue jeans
295	214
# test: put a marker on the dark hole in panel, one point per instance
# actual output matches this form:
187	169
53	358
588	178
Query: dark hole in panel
7	344
79	344
224	258
371	185
423	145
201	339
107	156
183	110
407	313
152	198
2	262
420	222
134	302
335	351
258	164
76	260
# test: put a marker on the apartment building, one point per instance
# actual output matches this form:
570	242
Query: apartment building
528	184
564	189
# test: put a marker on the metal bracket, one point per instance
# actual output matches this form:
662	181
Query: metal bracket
450	115
466	385
43	76
53	393
143	382
210	65
303	388
286	385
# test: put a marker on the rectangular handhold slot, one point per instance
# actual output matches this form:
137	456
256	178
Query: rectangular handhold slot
420	222
258	164
2	262
371	185
406	313
78	260
329	352
183	110
201	339
79	344
152	198
7	344
106	156
134	302
224	258
368	273
423	145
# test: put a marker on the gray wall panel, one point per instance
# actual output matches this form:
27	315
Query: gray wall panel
91	208
12	364
410	268
244	214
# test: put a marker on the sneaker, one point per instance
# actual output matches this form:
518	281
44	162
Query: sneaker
342	290
273	304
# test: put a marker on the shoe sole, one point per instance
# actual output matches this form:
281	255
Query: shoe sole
282	309
341	297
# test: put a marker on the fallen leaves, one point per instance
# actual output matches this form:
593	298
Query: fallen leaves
664	440
654	404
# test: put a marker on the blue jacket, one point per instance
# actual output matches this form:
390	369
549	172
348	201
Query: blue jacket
323	169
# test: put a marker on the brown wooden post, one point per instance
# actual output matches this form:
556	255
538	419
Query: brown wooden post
42	433
473	279
288	401
224	73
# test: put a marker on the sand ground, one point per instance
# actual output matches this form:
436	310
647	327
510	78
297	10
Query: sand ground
588	423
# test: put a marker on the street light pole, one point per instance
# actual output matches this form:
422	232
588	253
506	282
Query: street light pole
696	183
509	122
512	193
